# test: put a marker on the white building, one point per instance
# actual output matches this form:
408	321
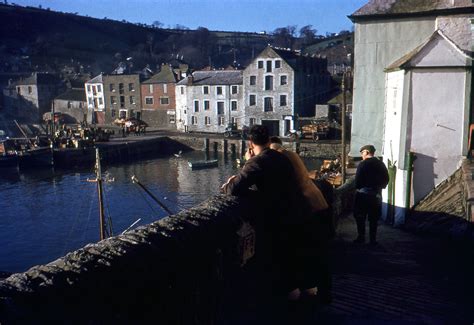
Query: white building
95	98
207	101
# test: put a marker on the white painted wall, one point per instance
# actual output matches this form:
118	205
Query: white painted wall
181	107
437	103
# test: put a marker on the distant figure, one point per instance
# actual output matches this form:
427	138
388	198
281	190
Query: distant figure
371	177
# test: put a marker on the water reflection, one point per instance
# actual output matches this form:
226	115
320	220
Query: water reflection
47	213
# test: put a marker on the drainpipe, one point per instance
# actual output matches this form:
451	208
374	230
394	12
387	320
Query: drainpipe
410	159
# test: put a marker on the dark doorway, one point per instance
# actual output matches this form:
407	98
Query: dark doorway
273	126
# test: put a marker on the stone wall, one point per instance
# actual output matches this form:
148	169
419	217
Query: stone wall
183	269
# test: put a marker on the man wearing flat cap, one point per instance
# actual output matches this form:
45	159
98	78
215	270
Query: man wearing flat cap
371	177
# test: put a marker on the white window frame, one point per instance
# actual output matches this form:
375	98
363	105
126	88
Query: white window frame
273	104
194	120
250	80
279	81
222	91
207	120
152	100
263	64
265	82
277	60
164	97
208	102
232	89
279	100
223	107
196	107
221	120
205	90
255	104
236	105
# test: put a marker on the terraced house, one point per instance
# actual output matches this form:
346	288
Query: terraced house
158	98
280	85
206	101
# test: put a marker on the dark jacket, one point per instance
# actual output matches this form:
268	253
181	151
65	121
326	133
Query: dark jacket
371	175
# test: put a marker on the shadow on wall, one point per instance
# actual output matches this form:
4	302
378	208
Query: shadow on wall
423	176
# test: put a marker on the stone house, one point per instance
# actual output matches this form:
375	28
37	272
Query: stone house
412	93
159	99
114	96
206	101
28	99
73	105
280	85
95	98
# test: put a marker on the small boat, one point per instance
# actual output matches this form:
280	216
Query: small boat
199	164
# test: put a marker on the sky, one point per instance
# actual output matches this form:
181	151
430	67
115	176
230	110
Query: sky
225	15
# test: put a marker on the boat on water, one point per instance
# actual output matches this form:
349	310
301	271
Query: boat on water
200	164
35	157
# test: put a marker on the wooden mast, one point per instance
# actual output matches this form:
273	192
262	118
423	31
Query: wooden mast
99	180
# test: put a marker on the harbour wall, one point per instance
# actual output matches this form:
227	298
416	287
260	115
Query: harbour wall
189	268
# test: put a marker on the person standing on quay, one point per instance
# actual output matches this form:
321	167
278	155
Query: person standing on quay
371	177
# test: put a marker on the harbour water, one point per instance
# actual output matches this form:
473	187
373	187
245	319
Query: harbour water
47	213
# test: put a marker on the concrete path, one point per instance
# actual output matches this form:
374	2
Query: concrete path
405	279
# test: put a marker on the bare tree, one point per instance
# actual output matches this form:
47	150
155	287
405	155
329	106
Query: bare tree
308	34
284	36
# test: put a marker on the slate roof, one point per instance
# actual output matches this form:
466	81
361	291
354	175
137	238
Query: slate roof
215	77
376	8
166	75
39	78
73	94
96	79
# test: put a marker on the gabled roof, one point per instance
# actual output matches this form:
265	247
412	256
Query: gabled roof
96	80
166	75
407	60
215	77
39	78
73	94
398	8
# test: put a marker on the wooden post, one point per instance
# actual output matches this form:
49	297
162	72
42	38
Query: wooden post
343	128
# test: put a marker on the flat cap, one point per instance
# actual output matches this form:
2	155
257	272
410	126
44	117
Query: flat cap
370	148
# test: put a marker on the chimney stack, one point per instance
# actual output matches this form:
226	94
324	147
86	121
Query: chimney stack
190	80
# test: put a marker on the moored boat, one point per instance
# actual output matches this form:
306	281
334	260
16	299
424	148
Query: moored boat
199	164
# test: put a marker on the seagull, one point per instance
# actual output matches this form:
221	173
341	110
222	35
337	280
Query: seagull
178	155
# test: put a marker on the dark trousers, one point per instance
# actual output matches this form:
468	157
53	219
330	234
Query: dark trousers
367	206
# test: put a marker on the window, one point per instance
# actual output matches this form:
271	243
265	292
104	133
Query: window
283	80
269	66
164	100
234	121
221	120
94	90
29	90
220	108
171	118
18	90
268	82
131	87
252	121
121	88
165	88
150	89
219	90
268	104
99	88
253	80
234	90
282	100
112	112
149	100
88	88
122	101
113	100
196	106
101	102
233	105
277	64
207	120
69	104
205	90
182	90
252	100
132	100
260	64
194	120
206	105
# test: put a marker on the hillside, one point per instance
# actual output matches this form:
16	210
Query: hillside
47	40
